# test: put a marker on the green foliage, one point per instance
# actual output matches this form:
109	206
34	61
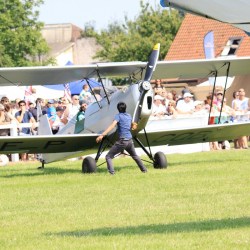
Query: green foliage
134	40
21	42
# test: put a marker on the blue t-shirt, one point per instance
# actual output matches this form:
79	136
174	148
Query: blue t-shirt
51	112
124	121
26	119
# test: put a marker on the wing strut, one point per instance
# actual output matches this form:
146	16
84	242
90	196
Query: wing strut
211	105
224	91
225	87
87	80
99	77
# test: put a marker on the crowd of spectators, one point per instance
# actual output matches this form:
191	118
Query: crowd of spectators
215	106
59	112
166	103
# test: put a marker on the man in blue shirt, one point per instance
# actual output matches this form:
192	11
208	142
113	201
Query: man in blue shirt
123	121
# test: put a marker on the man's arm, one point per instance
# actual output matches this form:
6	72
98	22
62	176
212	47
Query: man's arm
100	137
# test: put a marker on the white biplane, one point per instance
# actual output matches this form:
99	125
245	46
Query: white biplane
138	97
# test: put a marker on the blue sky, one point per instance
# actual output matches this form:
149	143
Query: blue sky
80	12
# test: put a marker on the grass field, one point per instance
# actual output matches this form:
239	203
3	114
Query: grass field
201	201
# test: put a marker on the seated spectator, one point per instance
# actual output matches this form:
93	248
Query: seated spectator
51	112
9	115
15	107
242	105
5	100
199	108
81	113
71	109
181	97
158	87
96	97
85	95
3	121
170	110
158	109
227	109
58	124
234	101
185	106
219	98
24	116
40	104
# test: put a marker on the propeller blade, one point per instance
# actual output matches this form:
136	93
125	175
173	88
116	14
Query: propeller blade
153	58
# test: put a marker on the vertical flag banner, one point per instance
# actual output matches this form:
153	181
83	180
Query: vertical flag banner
27	94
209	45
67	92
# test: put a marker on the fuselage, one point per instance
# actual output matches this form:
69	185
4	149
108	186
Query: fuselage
97	119
99	116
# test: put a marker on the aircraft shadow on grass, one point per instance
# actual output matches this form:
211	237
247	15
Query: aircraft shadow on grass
200	226
54	171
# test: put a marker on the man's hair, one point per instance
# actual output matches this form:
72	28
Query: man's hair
20	102
121	106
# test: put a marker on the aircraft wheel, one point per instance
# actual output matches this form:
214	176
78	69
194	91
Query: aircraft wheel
88	165
160	160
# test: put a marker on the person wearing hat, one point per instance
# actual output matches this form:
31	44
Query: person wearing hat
51	112
158	109
186	106
199	108
219	99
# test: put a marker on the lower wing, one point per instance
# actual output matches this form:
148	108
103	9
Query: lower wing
208	133
48	144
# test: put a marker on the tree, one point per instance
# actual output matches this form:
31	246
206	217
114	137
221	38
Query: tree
21	42
134	40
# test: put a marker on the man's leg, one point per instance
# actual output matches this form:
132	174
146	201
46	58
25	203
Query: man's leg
118	147
131	150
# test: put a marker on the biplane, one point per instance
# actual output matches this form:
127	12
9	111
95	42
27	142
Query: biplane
138	96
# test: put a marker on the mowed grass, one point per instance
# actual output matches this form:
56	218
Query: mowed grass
201	201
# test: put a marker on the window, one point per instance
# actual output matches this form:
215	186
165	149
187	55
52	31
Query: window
231	47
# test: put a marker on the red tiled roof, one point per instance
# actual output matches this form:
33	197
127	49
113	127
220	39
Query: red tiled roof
188	43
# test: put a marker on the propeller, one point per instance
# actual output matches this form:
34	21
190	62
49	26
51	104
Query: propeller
145	84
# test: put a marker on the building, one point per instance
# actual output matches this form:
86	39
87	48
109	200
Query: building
228	41
66	44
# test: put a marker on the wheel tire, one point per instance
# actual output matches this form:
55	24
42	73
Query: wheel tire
160	160
88	165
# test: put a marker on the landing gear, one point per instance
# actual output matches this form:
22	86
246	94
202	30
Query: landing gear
160	160
88	165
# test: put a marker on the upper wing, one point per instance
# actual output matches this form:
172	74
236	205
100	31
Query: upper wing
165	69
228	11
48	144
202	68
196	135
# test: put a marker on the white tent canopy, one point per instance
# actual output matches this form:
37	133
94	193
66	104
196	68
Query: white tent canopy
13	92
